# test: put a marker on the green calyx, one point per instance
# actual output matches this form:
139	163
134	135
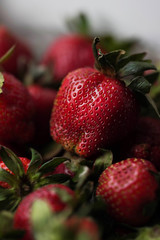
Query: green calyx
149	233
129	69
21	183
1	82
80	25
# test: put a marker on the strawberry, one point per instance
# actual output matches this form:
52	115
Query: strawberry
94	108
141	151
56	195
82	227
74	50
21	56
16	112
43	100
128	187
67	53
144	142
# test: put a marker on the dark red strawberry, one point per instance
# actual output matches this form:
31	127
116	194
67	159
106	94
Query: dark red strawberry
21	54
68	53
141	151
43	99
128	187
144	142
56	195
94	108
85	227
16	113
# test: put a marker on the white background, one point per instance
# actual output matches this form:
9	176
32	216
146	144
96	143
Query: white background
39	21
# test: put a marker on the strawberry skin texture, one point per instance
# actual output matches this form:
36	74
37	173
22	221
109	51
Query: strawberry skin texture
21	51
25	162
126	187
43	99
22	215
92	111
68	53
16	113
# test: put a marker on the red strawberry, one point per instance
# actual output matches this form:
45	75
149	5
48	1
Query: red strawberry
63	169
21	55
141	151
74	50
43	99
127	187
68	53
16	113
56	195
144	142
85	227
90	111
94	108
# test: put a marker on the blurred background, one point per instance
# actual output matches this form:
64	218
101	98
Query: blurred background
38	21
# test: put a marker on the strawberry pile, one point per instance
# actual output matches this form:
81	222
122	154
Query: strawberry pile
79	140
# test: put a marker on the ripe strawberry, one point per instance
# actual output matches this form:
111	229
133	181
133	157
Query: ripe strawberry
21	55
94	108
16	113
43	100
144	142
84	227
128	187
56	195
67	53
74	50
141	151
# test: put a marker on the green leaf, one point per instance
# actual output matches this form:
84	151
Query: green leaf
5	193
1	82
110	43
81	176
7	55
52	164
5	176
139	84
79	24
35	163
55	178
149	233
126	59
113	57
102	162
135	68
11	161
